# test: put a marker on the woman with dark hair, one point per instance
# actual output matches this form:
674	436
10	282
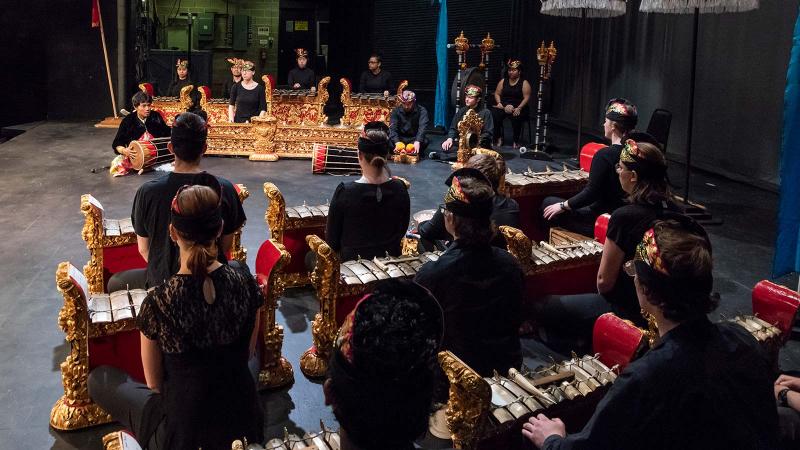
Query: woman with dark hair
375	79
642	173
511	97
301	77
248	97
478	285
197	332
505	210
382	371
181	78
703	385
369	217
602	194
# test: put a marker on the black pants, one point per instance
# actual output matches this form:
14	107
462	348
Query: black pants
499	115
789	427
566	322
579	220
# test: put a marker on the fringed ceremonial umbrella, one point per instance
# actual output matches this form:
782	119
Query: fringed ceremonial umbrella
583	9
695	7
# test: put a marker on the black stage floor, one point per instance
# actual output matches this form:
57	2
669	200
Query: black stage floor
44	171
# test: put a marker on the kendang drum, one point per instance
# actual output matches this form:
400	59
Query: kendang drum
334	160
146	155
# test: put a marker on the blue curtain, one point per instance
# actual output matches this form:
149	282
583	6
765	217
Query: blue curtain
787	244
440	108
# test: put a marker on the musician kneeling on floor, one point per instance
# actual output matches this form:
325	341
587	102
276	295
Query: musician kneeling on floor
505	210
151	206
369	217
472	100
144	125
479	286
703	385
381	373
197	332
407	125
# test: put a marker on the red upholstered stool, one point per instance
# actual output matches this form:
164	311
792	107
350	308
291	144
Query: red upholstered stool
587	154
777	305
601	227
617	341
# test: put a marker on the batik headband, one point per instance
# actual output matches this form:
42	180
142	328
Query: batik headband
634	159
247	65
514	63
235	62
620	110
472	91
457	201
301	52
408	97
648	252
182	63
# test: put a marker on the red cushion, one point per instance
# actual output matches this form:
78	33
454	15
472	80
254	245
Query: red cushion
295	243
587	153
118	259
601	227
121	350
147	87
268	255
206	90
777	305
616	340
575	280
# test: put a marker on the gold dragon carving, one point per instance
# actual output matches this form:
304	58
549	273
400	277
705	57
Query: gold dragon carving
469	128
468	401
275	371
357	113
74	409
325	278
519	245
94	236
275	216
238	252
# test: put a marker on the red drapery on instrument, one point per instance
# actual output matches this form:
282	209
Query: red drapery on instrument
95	13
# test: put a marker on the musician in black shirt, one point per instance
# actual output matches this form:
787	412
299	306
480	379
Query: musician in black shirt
478	285
369	217
472	100
150	213
181	79
505	210
301	77
375	79
248	98
143	124
236	77
703	385
511	98
407	123
603	193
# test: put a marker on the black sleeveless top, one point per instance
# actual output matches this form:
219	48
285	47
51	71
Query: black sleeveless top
511	94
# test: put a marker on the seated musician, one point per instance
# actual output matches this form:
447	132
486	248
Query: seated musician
511	97
407	124
197	331
236	77
301	77
375	79
703	385
381	373
369	217
787	394
150	214
642	173
181	79
505	210
478	285
602	194
472	100
248	98
142	126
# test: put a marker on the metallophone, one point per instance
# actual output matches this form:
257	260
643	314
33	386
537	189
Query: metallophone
530	188
169	107
488	412
101	330
339	285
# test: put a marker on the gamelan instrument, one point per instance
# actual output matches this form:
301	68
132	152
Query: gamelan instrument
363	271
290	95
146	155
326	439
334	160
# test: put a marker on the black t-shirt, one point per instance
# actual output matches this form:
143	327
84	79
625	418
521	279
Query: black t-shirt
626	228
228	86
603	194
480	290
368	220
247	102
151	215
505	211
371	83
305	77
209	396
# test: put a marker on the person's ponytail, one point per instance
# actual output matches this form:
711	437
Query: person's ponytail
202	255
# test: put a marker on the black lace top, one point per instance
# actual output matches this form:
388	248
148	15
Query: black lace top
209	396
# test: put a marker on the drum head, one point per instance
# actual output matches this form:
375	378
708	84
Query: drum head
139	154
468	76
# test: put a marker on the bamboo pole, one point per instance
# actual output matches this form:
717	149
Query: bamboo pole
105	56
